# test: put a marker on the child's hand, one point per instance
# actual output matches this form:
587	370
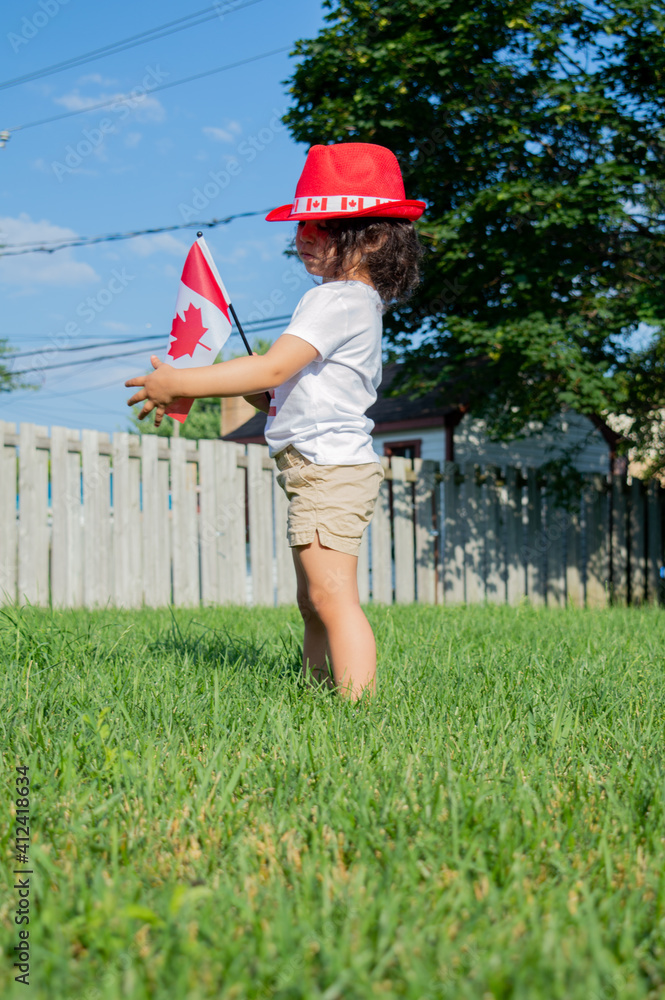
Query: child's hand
157	389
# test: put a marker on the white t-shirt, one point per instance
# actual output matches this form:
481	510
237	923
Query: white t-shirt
321	409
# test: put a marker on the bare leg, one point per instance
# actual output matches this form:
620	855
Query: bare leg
331	579
315	652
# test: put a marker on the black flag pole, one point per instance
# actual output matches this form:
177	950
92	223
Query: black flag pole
240	330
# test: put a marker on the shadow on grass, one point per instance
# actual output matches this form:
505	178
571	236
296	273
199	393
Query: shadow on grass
211	647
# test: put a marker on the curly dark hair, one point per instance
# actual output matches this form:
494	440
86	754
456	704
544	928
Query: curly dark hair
388	248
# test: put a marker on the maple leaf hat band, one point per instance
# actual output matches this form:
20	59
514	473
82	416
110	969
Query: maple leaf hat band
350	179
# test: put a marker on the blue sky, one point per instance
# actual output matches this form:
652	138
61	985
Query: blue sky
203	150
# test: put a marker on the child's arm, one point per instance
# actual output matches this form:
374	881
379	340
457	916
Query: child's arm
237	377
259	401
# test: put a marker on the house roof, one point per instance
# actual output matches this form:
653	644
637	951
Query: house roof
388	413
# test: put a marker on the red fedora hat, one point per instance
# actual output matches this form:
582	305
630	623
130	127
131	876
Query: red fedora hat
349	180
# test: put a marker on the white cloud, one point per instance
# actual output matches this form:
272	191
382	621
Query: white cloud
228	134
102	81
28	270
122	327
76	102
254	250
132	139
55	167
144	107
145	246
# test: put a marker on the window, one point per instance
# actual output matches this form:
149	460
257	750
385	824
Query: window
404	449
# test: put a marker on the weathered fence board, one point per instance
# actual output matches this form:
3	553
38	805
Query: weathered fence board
33	538
405	589
534	552
556	521
619	546
207	528
152	528
8	523
260	525
475	525
655	510
453	539
231	484
573	549
211	580
165	554
597	512
637	542
127	534
217	477
184	528
438	533
97	563
425	530
495	589
66	538
382	586
514	516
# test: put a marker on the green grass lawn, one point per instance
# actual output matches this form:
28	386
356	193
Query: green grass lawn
204	825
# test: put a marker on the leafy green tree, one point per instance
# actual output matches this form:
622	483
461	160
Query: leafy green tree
203	420
5	373
536	133
9	380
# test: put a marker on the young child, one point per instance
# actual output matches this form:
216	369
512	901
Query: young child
355	232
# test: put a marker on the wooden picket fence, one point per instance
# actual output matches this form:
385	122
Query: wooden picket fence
92	520
89	520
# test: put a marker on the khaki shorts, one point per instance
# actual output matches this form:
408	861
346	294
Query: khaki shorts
335	500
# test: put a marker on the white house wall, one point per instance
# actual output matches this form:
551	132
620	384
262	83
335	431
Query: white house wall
472	445
433	441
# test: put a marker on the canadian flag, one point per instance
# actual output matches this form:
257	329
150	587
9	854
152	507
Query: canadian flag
201	325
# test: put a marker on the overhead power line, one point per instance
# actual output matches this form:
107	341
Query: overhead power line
51	246
160	31
124	98
252	326
83	347
81	361
121	355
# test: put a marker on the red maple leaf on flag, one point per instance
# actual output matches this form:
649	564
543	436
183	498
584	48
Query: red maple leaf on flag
187	333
